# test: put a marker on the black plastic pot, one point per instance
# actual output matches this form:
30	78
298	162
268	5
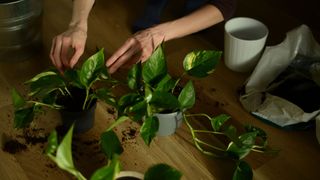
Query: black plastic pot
73	113
83	120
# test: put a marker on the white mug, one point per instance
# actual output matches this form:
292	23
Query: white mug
244	41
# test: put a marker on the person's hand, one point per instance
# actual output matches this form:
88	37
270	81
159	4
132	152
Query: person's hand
67	48
137	48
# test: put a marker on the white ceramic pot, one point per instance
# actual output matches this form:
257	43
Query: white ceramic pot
129	175
168	123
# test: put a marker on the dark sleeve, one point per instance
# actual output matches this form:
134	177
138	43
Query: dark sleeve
227	7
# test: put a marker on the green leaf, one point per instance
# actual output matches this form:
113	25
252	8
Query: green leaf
187	96
260	133
164	100
118	121
128	100
110	144
63	156
108	172
218	121
44	85
138	110
73	77
17	99
64	153
243	171
52	143
41	75
201	63
105	95
166	84
155	68
91	69
162	172
239	152
23	117
134	77
149	129
231	133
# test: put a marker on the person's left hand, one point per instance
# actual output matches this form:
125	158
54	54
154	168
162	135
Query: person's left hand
137	48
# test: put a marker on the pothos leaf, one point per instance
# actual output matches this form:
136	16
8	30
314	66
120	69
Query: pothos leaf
91	67
41	75
108	172
218	121
187	96
149	129
110	144
247	140
17	99
243	171
134	77
166	84
164	100
162	171
44	85
106	95
23	117
155	68
138	110
73	77
52	143
201	63
63	156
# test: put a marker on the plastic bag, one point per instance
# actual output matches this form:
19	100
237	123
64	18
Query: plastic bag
284	81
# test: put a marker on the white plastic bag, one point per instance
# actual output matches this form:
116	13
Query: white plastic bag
274	61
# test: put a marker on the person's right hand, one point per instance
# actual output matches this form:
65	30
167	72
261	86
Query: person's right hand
67	48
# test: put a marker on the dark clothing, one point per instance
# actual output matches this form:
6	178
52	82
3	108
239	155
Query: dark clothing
226	7
154	9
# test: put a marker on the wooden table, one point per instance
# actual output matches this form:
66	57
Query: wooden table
109	27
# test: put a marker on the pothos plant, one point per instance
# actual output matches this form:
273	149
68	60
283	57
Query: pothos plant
73	90
61	154
154	90
236	146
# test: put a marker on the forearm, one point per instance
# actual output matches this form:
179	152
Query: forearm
80	14
200	19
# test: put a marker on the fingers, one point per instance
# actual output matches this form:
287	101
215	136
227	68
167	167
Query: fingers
78	52
55	54
66	43
125	47
60	53
125	54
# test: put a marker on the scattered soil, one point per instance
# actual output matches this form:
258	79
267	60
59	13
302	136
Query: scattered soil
34	136
111	110
14	146
129	134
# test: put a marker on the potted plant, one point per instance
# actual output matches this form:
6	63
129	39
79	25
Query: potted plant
157	97
74	94
236	145
61	154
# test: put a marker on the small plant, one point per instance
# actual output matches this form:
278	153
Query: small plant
154	90
236	147
74	90
61	154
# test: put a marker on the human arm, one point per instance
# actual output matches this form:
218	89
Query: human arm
141	45
73	39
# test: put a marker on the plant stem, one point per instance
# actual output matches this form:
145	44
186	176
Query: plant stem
86	99
177	81
209	145
206	131
46	105
199	115
197	141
